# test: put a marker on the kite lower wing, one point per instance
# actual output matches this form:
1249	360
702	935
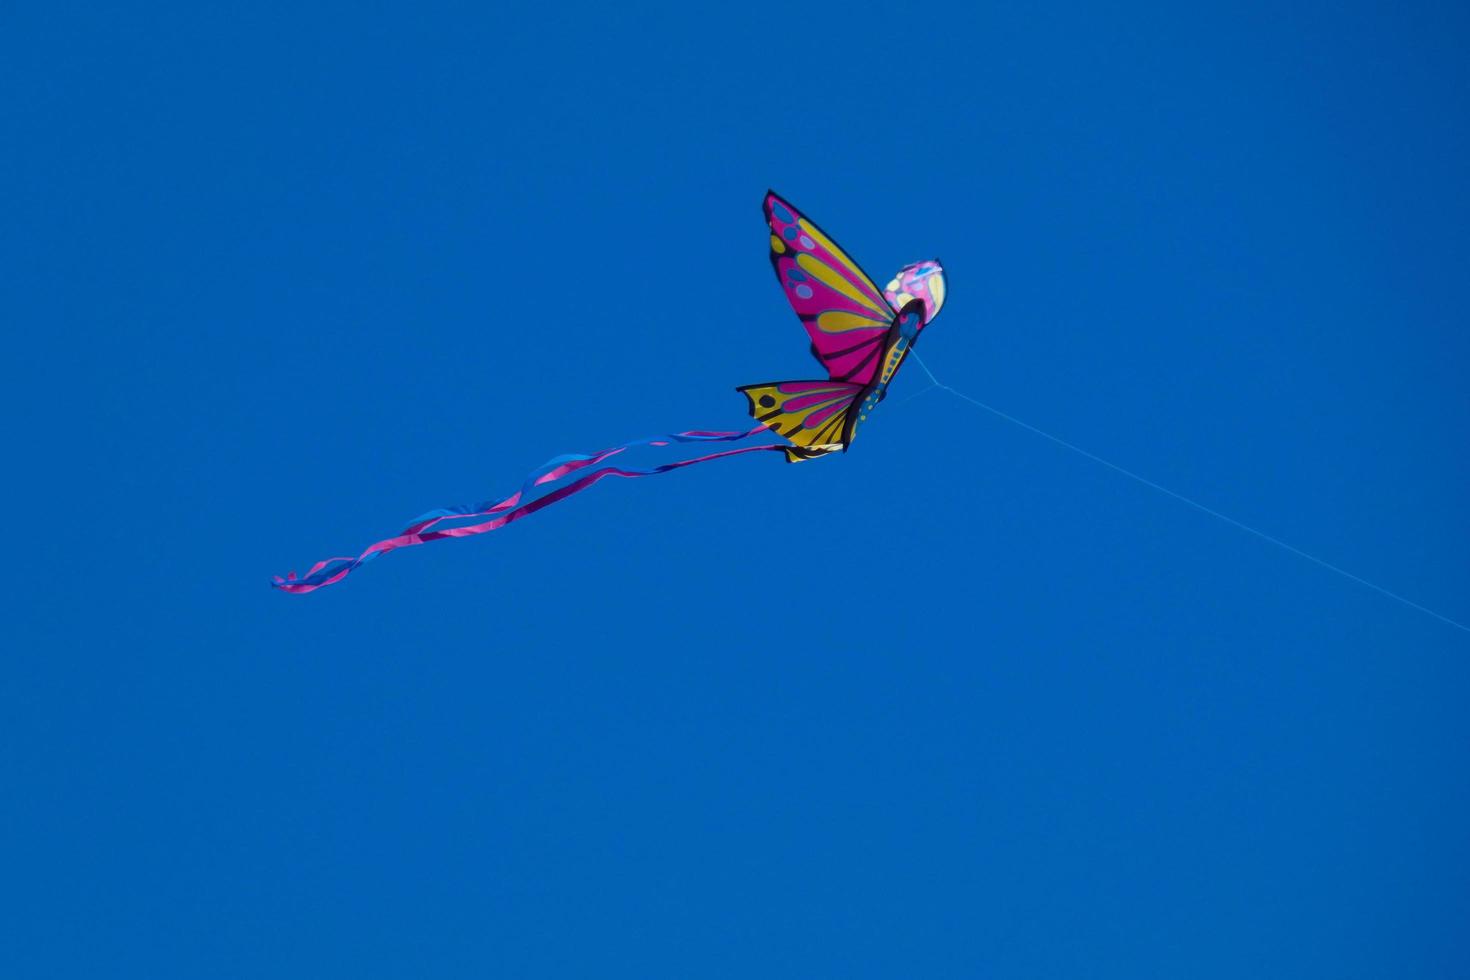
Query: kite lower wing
814	415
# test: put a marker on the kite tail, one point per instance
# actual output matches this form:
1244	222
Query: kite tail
513	508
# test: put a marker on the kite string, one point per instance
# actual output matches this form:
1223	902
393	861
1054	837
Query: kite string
936	383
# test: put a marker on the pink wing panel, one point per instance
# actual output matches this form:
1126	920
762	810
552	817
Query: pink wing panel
845	314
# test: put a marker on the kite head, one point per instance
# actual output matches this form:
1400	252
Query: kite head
923	281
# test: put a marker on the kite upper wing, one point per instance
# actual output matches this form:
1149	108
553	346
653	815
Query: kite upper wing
846	315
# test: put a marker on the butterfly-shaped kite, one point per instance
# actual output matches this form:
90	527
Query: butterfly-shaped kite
859	334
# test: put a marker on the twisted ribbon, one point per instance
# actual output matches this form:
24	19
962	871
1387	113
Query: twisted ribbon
425	528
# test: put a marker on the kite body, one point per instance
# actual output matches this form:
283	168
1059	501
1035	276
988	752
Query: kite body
859	334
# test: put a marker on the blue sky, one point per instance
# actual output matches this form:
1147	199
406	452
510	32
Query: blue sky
959	703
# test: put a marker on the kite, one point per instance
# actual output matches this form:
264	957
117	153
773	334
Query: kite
860	335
